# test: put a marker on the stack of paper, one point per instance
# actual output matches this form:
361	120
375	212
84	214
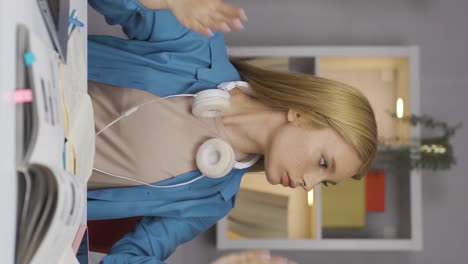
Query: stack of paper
52	206
78	111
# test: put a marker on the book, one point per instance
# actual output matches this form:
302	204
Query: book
51	200
51	206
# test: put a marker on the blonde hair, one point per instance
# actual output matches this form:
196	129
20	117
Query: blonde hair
324	103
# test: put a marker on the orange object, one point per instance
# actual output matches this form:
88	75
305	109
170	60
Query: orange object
104	233
375	191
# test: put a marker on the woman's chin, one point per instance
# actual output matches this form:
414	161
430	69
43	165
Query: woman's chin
270	180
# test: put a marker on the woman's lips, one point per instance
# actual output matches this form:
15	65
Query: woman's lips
285	181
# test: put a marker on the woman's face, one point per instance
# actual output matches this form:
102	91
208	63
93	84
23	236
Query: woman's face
297	154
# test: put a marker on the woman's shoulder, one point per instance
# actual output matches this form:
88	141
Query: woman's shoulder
221	69
160	69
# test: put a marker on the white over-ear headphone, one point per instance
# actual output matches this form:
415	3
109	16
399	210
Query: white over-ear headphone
215	102
215	158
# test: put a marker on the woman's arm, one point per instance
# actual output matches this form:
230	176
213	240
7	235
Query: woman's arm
156	238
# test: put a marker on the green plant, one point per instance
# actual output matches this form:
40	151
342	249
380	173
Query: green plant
435	152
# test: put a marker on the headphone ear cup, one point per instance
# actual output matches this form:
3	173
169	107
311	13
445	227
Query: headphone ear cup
215	158
211	103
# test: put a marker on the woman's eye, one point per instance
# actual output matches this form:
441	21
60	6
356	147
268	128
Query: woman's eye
325	183
323	162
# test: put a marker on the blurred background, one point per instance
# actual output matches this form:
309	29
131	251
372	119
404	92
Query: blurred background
438	28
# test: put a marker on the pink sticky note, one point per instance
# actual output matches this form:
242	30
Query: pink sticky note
78	238
22	96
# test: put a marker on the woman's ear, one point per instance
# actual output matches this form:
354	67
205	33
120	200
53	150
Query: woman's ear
293	115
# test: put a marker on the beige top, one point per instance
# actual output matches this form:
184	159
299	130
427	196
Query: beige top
157	142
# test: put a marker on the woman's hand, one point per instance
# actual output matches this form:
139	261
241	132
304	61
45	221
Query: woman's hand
252	257
203	16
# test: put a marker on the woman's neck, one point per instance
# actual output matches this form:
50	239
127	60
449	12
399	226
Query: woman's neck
249	124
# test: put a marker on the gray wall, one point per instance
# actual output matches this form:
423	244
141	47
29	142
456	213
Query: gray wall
439	28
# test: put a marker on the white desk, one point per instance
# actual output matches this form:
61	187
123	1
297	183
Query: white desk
12	13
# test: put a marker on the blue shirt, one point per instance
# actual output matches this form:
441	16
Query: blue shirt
164	58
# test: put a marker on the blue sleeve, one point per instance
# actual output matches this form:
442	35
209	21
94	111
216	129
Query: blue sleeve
156	238
139	22
162	56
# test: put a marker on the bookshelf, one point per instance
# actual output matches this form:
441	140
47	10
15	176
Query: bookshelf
342	217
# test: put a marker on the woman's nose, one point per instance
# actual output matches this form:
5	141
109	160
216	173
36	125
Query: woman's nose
309	187
313	179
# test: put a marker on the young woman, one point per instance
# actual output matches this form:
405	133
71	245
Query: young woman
309	130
